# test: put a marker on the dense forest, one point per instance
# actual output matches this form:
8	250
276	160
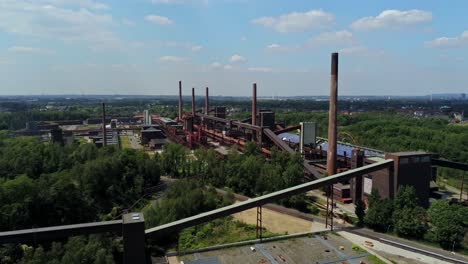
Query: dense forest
43	184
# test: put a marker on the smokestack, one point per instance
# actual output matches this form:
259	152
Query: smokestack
254	104
207	102
180	100
193	101
104	134
332	115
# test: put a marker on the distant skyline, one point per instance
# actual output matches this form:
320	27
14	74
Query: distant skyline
146	46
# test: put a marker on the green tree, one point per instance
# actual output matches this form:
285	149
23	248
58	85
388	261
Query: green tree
409	218
379	213
360	211
448	223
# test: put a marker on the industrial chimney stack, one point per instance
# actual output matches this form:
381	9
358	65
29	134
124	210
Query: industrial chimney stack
332	115
193	101
180	100
104	134
207	102
254	104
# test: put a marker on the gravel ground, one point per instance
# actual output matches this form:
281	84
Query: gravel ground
299	250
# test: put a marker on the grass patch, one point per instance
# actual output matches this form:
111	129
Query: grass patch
124	142
358	249
217	232
374	260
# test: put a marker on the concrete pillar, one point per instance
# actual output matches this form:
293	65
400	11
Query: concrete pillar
133	232
332	115
357	160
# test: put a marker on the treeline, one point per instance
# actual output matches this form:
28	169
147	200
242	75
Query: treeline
391	132
442	223
43	184
249	173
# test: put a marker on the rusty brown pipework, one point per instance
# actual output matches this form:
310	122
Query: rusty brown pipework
180	100
332	116
254	104
193	101
207	102
104	132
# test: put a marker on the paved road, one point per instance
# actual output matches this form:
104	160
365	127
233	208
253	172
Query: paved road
407	244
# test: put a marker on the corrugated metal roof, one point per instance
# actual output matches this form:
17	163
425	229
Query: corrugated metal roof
341	148
293	138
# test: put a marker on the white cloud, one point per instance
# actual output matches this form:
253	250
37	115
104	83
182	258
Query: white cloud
161	20
172	59
296	21
80	3
216	64
228	67
393	19
280	48
260	69
4	62
197	48
23	49
447	42
237	58
128	22
361	51
273	46
332	38
137	44
40	19
172	2
335	39
243	38
168	1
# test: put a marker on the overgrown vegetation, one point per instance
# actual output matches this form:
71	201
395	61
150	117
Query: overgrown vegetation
43	184
443	223
218	232
249	173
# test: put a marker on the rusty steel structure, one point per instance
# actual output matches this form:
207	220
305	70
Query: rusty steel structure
386	172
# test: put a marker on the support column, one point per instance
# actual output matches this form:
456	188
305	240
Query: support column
357	160
133	232
259	223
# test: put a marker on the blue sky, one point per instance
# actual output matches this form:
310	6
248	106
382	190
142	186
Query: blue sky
146	46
